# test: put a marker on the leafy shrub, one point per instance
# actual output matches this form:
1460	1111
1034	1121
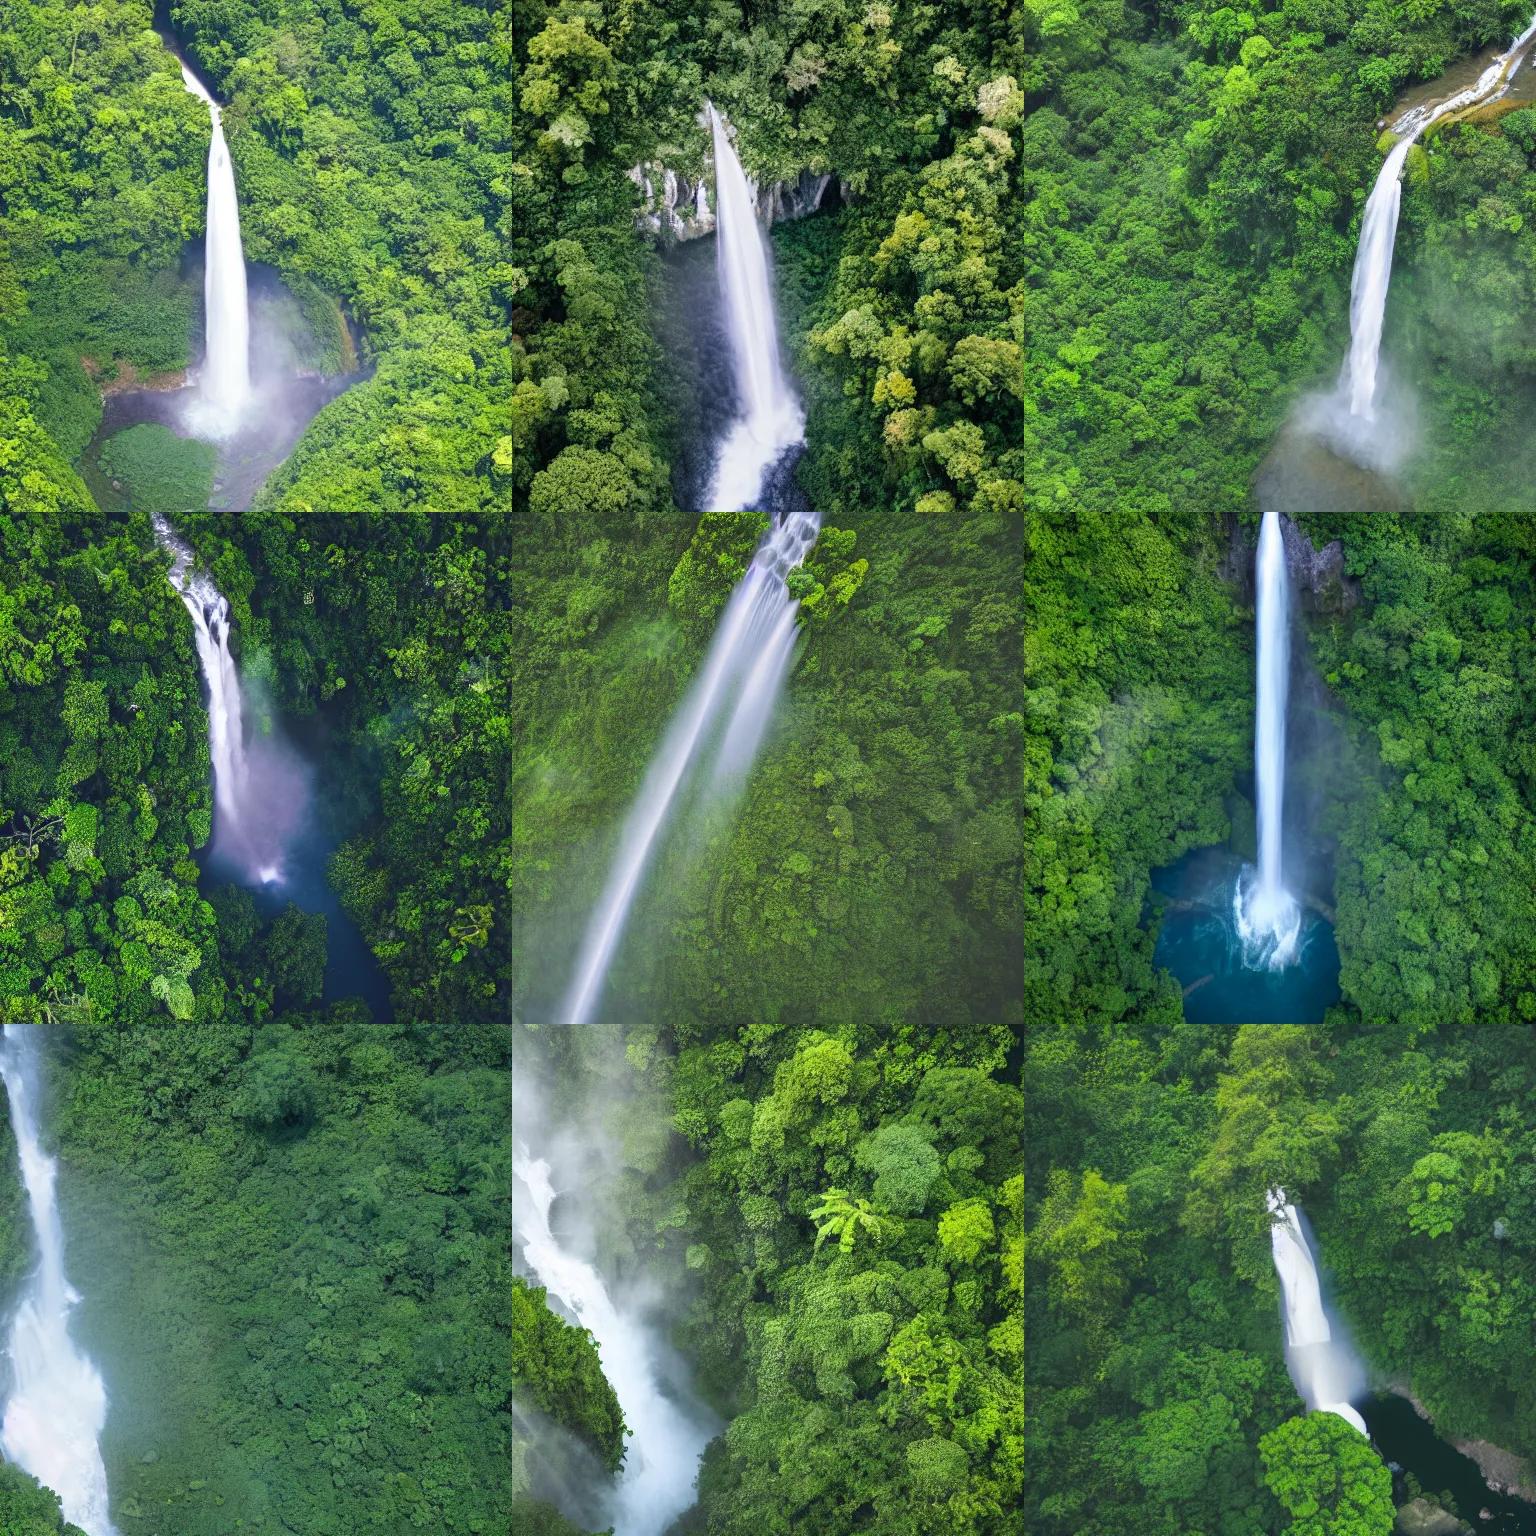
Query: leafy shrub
159	471
296	950
277	1089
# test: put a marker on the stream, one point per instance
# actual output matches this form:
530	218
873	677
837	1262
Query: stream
1404	1438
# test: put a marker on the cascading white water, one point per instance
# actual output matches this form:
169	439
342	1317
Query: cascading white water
1325	1370
58	1403
1378	230
746	661
663	1451
1268	916
224	386
210	627
754	640
772	421
226	714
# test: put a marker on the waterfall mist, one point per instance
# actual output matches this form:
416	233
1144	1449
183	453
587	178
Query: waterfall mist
606	1130
1268	917
771	420
1350	419
224	384
260	790
726	711
1325	1370
58	1403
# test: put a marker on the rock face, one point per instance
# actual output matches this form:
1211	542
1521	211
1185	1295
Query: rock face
1317	575
677	208
794	199
1318	579
683	210
1502	1470
1421	1518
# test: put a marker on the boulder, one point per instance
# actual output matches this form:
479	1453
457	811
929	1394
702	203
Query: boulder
1421	1518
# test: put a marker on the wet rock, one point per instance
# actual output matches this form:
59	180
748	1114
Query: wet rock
1317	575
1502	1470
679	208
1421	1518
675	207
792	199
1319	583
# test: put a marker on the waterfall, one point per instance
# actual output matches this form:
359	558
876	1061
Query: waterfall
58	1404
1268	916
730	702
747	659
225	381
254	840
1378	230
771	421
663	1451
1326	1371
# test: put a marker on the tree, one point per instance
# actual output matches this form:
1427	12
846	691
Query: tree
277	1087
557	1367
1459	1167
29	1509
568	83
1271	1133
843	1217
296	950
1328	1476
715	560
1084	1234
905	1166
966	1231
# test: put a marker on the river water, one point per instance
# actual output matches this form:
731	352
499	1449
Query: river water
1404	1438
351	968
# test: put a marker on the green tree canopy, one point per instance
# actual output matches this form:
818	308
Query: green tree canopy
1329	1477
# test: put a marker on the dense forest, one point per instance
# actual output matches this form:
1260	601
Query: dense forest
833	999
371	157
874	864
286	1122
1195	181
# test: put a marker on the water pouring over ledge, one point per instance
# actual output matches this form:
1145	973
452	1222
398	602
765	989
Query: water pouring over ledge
224	383
1378	230
58	1403
1268	917
258	804
1326	1371
771	420
730	702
